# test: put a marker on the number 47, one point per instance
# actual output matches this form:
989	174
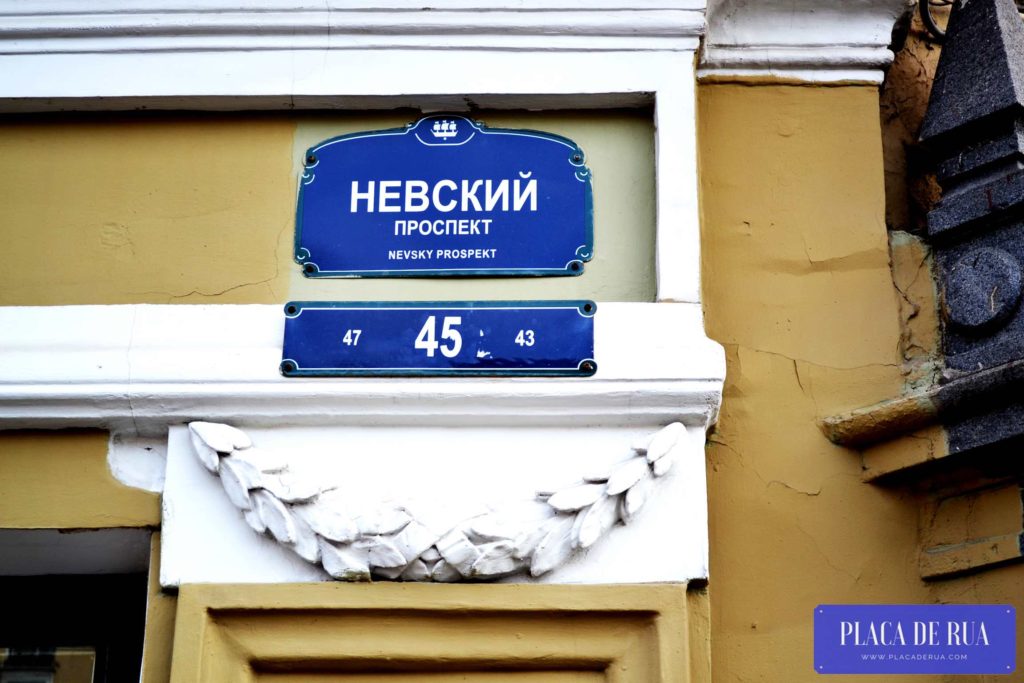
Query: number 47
351	338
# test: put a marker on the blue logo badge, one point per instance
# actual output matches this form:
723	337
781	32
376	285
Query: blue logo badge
914	639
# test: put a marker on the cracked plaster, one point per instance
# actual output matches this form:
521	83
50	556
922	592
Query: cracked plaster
797	285
202	214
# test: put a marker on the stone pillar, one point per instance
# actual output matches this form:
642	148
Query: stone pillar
975	129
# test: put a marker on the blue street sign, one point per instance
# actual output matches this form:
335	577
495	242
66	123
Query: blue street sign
524	338
445	196
915	639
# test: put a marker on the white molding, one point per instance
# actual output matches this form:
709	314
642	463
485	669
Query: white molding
135	369
190	25
812	41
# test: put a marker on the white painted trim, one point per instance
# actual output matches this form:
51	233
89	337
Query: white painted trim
136	369
412	540
444	474
812	41
182	26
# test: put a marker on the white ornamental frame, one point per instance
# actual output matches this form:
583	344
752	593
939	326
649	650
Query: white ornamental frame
390	541
799	41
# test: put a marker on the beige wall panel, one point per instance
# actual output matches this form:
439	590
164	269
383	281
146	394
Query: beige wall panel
160	611
394	632
200	209
619	148
75	666
698	624
793	207
454	677
993	586
60	480
194	209
797	286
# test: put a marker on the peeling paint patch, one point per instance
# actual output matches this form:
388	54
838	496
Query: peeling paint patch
138	462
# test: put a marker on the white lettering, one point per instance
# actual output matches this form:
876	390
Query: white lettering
495	195
446	195
357	195
410	254
385	195
448	206
845	629
529	193
469	194
416	190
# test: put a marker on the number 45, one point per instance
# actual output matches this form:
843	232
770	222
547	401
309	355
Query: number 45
427	341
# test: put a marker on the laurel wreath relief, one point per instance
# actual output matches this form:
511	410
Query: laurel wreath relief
389	542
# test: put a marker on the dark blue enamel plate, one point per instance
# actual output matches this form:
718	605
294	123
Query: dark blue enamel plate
445	196
520	338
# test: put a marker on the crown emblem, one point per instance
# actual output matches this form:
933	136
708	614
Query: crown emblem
444	129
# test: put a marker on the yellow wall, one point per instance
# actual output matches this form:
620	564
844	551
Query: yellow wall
60	480
160	616
505	633
796	285
145	210
995	586
200	209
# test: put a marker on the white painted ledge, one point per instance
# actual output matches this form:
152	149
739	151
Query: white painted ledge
136	369
810	41
203	54
69	26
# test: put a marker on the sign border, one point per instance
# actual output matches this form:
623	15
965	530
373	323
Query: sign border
584	253
585	368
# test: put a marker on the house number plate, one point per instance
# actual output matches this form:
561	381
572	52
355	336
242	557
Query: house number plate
520	338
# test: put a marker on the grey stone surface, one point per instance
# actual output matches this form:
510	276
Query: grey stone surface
1005	141
982	289
975	129
975	120
967	207
981	70
999	425
984	326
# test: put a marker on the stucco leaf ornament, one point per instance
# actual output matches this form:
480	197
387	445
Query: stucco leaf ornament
390	542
